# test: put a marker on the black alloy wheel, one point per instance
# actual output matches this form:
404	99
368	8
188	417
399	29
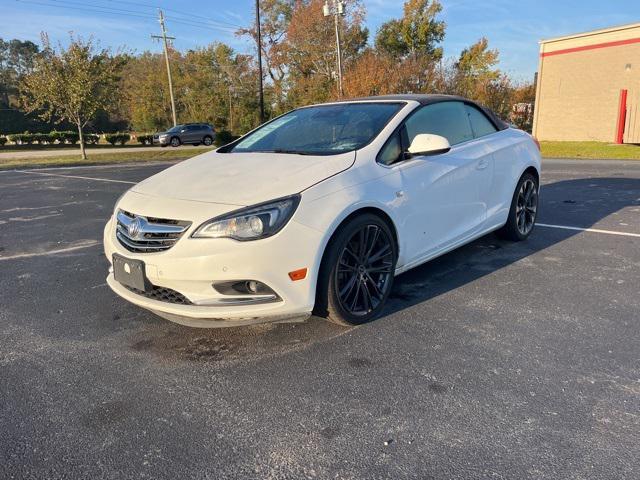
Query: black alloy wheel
524	210
357	273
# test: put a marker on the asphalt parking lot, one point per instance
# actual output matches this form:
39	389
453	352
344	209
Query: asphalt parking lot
498	360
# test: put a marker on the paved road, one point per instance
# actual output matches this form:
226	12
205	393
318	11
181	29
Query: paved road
498	360
56	152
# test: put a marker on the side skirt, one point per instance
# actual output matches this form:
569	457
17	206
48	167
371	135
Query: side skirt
446	249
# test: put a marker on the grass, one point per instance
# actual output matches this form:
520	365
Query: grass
10	147
103	158
592	150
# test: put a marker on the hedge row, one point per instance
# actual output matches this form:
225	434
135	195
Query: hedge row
145	139
52	137
120	138
222	138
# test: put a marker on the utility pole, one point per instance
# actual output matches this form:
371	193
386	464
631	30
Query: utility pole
337	10
164	39
259	40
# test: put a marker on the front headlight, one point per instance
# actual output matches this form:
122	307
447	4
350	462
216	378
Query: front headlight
251	223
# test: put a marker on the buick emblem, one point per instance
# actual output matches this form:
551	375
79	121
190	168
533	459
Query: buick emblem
135	227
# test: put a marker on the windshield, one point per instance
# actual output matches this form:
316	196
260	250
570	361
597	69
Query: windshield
177	128
321	130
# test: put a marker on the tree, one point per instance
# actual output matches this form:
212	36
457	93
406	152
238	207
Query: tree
417	33
145	92
310	49
71	83
16	60
275	17
475	76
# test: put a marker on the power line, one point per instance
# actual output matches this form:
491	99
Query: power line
64	4
177	12
53	5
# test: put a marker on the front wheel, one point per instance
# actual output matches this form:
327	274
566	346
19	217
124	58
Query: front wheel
357	272
175	142
523	211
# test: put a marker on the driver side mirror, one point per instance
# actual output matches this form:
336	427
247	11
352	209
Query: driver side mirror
428	144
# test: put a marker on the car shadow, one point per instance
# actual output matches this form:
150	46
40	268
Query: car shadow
578	203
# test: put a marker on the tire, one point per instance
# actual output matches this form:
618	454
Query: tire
355	281
208	141
175	142
523	211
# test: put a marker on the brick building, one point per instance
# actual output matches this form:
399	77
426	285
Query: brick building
589	87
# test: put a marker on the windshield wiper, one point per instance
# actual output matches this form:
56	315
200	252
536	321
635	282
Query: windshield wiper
292	152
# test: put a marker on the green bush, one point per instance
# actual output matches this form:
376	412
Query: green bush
41	138
70	137
56	136
22	138
3	140
145	139
120	138
225	136
91	139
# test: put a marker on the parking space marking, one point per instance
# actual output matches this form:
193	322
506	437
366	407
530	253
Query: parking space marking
79	246
30	172
591	230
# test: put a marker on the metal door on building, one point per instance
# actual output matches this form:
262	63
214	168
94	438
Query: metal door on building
632	117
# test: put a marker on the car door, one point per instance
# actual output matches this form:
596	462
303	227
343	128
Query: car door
483	131
442	193
192	134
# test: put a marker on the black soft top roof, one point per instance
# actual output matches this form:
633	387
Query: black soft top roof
428	99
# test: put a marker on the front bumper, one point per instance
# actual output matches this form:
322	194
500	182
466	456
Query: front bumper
191	266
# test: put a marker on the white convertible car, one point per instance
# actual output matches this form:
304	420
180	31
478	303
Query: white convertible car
317	210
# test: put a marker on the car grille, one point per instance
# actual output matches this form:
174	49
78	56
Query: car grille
162	294
147	234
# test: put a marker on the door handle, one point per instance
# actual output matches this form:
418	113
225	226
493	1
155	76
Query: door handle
482	164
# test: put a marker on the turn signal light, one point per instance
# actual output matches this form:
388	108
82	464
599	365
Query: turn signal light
298	274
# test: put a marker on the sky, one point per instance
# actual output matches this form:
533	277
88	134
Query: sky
513	27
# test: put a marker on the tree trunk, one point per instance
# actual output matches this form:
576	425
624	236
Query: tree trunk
84	154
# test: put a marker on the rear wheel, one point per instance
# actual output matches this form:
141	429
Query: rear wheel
357	271
524	210
207	141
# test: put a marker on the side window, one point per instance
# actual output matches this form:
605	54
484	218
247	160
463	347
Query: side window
480	124
447	119
391	151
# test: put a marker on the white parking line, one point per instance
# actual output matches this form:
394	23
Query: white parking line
108	166
31	172
592	230
78	246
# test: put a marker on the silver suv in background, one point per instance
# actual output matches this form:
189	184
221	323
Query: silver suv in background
193	133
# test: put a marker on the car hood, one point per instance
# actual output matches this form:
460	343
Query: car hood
242	178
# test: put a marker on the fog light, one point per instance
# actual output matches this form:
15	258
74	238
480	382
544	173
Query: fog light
243	287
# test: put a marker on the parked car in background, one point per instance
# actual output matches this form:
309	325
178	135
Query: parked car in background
193	133
319	209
